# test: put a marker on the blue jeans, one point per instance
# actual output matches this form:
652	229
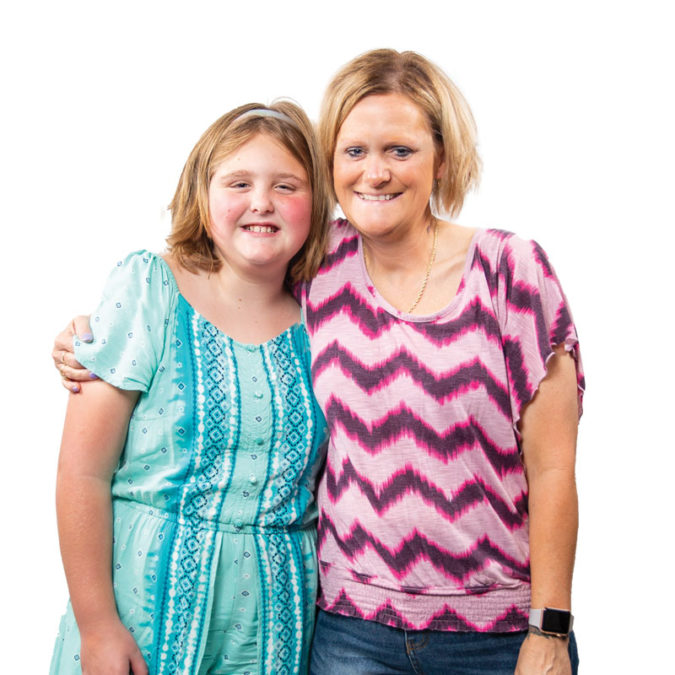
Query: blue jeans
346	646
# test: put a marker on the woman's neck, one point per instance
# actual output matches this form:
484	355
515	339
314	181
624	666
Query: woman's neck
400	256
424	278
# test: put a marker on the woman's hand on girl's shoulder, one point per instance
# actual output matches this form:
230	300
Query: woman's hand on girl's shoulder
110	649
71	371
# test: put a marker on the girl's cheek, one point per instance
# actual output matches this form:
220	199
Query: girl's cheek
298	210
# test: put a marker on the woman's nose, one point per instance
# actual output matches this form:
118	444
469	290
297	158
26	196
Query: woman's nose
376	170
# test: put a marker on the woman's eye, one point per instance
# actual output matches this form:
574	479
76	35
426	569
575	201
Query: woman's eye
354	152
401	152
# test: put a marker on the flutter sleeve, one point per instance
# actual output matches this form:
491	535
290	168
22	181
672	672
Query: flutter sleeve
130	323
534	318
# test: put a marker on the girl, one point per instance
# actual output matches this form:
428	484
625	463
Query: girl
186	474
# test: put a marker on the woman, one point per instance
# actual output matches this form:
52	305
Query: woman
448	369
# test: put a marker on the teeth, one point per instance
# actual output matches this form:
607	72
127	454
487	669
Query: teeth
261	228
376	198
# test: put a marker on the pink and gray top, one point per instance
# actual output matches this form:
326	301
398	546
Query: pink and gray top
423	505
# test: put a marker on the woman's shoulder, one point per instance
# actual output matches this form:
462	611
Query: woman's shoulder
343	243
504	246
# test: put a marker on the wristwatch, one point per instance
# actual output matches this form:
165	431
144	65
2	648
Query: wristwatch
551	621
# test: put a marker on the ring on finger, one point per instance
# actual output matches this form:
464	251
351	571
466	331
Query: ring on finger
63	357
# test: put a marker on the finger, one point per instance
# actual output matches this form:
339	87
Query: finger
82	328
64	340
71	386
138	666
75	372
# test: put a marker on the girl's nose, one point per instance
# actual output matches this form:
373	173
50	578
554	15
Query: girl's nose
261	202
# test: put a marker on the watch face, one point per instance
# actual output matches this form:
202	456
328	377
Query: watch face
555	621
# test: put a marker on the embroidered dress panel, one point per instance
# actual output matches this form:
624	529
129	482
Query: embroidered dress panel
214	517
423	504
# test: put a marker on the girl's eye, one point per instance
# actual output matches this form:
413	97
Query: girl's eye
401	152
284	187
354	152
240	184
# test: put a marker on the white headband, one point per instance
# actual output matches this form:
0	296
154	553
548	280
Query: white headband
265	112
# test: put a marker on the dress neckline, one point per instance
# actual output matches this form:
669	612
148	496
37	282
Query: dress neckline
249	346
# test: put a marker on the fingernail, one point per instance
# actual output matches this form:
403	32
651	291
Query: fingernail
86	337
93	376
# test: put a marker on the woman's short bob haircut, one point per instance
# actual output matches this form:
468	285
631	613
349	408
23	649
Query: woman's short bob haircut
386	71
190	241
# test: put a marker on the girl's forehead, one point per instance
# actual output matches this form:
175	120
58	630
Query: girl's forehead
261	151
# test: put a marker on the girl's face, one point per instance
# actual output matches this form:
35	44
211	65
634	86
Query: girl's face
384	166
260	205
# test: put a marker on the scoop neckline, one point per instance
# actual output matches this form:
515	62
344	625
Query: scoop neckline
244	345
419	318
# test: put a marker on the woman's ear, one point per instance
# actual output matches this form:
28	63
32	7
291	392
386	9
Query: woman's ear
440	168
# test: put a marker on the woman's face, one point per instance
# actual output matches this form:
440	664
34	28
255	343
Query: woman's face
384	166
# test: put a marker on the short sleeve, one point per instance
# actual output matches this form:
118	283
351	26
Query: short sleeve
130	323
534	318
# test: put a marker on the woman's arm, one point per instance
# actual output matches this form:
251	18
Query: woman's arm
93	438
549	433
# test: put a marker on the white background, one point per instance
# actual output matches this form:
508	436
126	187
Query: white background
574	105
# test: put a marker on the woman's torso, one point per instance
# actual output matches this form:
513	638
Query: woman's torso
423	505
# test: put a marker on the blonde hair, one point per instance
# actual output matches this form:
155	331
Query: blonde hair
189	240
386	71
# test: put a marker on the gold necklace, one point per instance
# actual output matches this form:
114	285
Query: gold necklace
432	257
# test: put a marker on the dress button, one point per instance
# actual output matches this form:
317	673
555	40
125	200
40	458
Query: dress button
252	479
259	441
258	394
238	524
251	348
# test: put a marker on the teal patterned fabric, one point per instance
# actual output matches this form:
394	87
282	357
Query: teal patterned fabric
214	564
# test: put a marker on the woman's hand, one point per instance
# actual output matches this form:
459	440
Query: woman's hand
110	649
543	654
64	360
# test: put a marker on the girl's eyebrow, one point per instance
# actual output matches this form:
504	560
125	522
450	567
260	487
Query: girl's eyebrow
286	176
243	173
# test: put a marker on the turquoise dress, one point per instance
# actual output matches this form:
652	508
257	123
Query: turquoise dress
214	561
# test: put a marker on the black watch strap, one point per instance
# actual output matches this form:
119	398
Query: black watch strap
551	621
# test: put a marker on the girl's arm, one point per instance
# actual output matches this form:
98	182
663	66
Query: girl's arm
93	438
549	433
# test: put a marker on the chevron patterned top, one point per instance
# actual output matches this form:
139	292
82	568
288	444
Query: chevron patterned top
423	504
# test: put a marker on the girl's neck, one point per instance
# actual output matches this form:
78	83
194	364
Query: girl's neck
250	309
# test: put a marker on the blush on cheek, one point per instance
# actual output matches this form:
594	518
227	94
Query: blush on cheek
298	212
